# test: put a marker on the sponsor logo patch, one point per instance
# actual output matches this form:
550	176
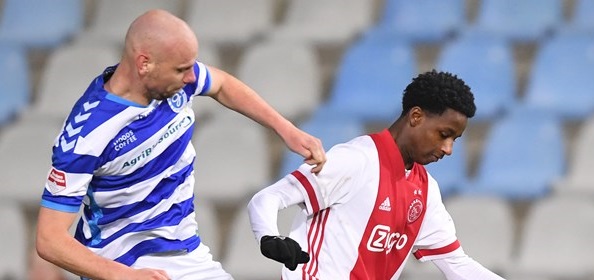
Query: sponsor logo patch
56	181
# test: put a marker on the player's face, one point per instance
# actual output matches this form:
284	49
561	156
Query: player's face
434	136
171	73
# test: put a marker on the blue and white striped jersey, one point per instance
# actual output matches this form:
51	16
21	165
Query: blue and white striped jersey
131	167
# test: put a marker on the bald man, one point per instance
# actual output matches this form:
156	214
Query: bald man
125	155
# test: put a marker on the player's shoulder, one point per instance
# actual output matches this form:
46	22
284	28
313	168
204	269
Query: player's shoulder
361	147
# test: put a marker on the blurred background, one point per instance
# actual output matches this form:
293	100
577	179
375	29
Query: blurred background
518	185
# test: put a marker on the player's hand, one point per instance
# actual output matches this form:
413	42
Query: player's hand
148	274
284	250
306	145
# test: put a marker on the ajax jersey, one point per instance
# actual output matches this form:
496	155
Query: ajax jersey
377	211
131	167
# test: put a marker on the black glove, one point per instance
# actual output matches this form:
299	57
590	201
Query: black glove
284	250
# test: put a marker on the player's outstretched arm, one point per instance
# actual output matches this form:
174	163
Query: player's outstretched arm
236	95
464	268
55	244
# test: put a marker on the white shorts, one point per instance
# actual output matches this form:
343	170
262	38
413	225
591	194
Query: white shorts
197	264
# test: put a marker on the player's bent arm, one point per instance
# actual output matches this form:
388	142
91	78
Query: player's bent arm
462	267
236	95
55	244
264	206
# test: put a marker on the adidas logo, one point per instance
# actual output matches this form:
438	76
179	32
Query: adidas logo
385	206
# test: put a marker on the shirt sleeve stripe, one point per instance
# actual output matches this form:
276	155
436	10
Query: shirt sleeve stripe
59	207
309	189
438	251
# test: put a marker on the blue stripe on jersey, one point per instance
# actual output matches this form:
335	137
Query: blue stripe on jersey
123	101
69	202
162	191
158	245
172	217
84	163
167	158
59	206
158	119
93	213
206	87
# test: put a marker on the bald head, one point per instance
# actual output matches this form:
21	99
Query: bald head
158	32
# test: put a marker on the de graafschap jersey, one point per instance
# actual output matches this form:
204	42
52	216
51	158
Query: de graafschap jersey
368	214
131	167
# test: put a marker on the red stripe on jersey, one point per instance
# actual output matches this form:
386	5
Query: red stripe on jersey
309	189
315	238
439	251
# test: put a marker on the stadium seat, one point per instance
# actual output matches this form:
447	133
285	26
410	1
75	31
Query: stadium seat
485	226
232	158
39	23
561	77
243	259
370	79
523	154
250	19
426	21
14	241
451	172
557	240
578	179
487	66
519	21
26	149
332	129
14	82
111	18
323	22
67	74
285	74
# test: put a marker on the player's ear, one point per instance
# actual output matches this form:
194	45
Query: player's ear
415	116
142	64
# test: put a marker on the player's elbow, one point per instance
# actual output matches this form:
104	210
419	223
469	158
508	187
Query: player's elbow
43	244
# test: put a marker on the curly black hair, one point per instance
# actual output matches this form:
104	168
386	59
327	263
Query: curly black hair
435	92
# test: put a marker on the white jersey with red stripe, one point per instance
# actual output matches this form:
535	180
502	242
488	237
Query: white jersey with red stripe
365	214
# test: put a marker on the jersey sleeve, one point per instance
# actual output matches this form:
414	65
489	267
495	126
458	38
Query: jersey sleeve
336	183
70	174
203	80
437	238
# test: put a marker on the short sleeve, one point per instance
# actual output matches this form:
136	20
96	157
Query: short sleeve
437	238
203	80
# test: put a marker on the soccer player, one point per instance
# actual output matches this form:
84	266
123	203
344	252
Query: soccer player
375	203
125	154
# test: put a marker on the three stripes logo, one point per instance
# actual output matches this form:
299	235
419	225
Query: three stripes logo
73	128
385	206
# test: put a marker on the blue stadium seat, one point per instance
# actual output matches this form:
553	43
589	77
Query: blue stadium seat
422	20
14	81
331	128
371	78
41	23
487	66
520	21
523	154
561	80
451	172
